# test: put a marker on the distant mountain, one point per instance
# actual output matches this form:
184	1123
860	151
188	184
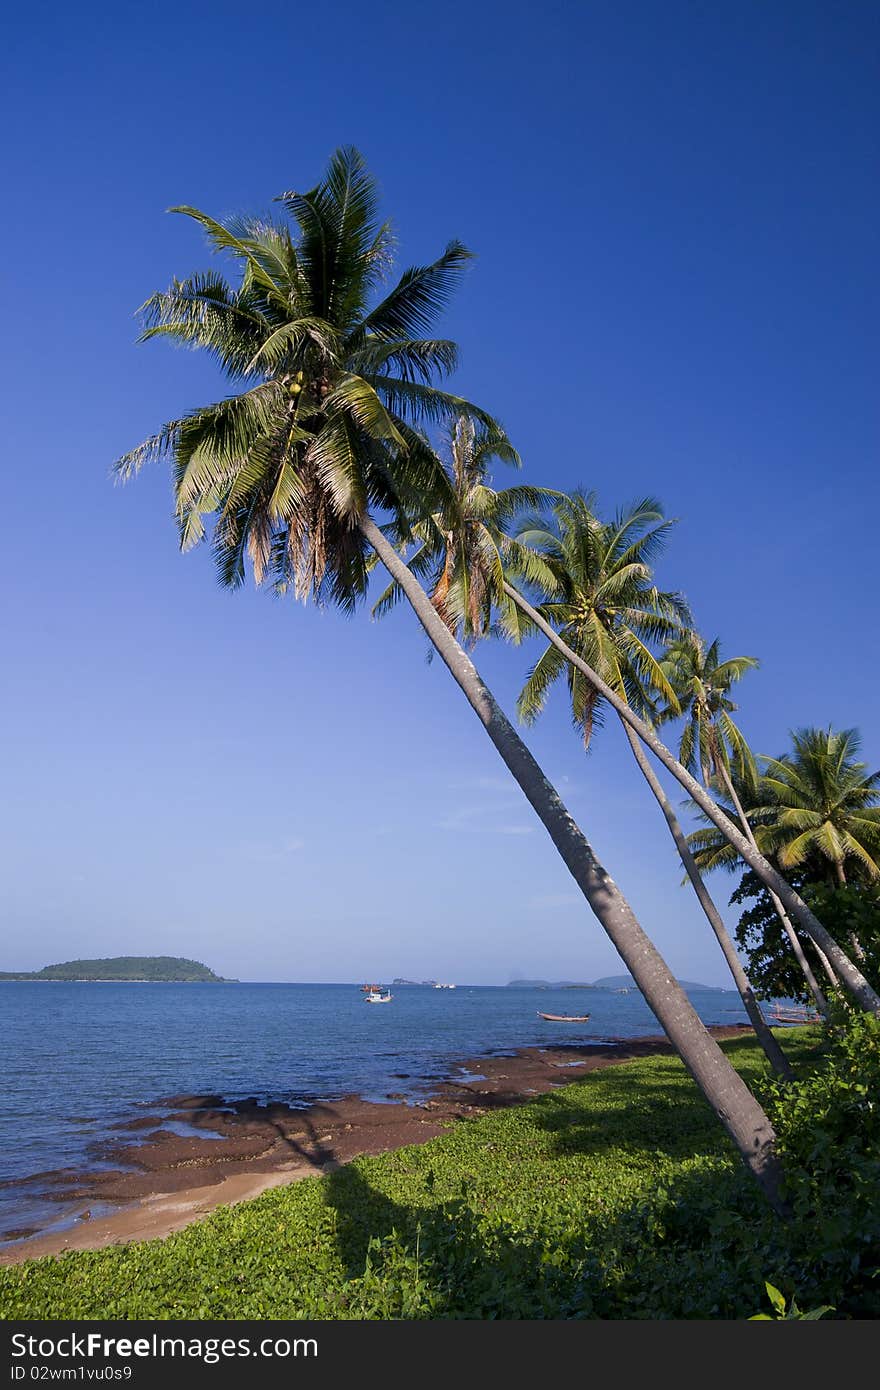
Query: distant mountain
627	982
617	982
607	982
549	984
123	968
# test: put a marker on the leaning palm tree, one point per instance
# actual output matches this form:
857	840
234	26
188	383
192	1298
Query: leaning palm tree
457	546
607	609
333	392
712	851
822	804
850	976
603	604
603	601
713	744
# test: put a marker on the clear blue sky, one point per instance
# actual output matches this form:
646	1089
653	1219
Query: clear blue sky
675	208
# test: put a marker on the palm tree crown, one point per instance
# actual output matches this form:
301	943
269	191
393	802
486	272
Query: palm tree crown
331	392
711	741
821	804
712	849
462	550
604	605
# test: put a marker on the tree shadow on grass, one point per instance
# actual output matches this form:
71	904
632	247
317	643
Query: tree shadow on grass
685	1233
656	1110
410	1261
660	1256
672	1119
642	1119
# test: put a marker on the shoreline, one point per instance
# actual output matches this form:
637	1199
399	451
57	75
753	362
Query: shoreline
167	1180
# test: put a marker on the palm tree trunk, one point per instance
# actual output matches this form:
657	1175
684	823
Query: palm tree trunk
726	1092
812	983
772	1050
827	967
852	978
858	950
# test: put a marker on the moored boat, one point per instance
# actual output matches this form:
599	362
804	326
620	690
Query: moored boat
564	1018
795	1013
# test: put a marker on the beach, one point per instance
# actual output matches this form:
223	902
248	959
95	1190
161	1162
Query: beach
154	1181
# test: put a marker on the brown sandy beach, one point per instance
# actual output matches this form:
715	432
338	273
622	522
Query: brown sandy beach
165	1181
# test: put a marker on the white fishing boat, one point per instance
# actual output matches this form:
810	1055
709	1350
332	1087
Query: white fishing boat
375	996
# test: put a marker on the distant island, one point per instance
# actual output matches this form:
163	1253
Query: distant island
607	982
627	982
153	969
550	984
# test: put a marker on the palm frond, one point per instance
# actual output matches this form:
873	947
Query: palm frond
421	294
411	359
355	397
333	454
223	239
531	700
285	344
423	404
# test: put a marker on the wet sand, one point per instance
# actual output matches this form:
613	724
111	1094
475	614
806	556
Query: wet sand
163	1180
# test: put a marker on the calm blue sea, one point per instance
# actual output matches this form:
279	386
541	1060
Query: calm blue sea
79	1058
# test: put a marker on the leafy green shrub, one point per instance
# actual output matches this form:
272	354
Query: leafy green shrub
828	1136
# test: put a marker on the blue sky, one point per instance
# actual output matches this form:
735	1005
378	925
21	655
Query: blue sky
675	211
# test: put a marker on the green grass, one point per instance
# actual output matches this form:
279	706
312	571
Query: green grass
617	1196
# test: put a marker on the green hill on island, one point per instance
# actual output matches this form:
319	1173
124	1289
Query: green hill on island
145	968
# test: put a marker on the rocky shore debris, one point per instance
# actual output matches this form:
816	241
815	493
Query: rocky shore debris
247	1145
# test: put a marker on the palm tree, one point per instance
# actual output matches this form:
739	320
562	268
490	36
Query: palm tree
328	388
822	805
459	544
324	425
603	605
711	850
606	605
608	611
713	743
851	977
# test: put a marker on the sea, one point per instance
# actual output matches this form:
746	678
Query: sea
79	1058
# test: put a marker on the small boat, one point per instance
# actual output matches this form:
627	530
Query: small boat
564	1018
371	989
375	996
783	1013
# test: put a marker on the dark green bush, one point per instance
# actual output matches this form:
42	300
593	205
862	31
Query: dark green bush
828	1128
